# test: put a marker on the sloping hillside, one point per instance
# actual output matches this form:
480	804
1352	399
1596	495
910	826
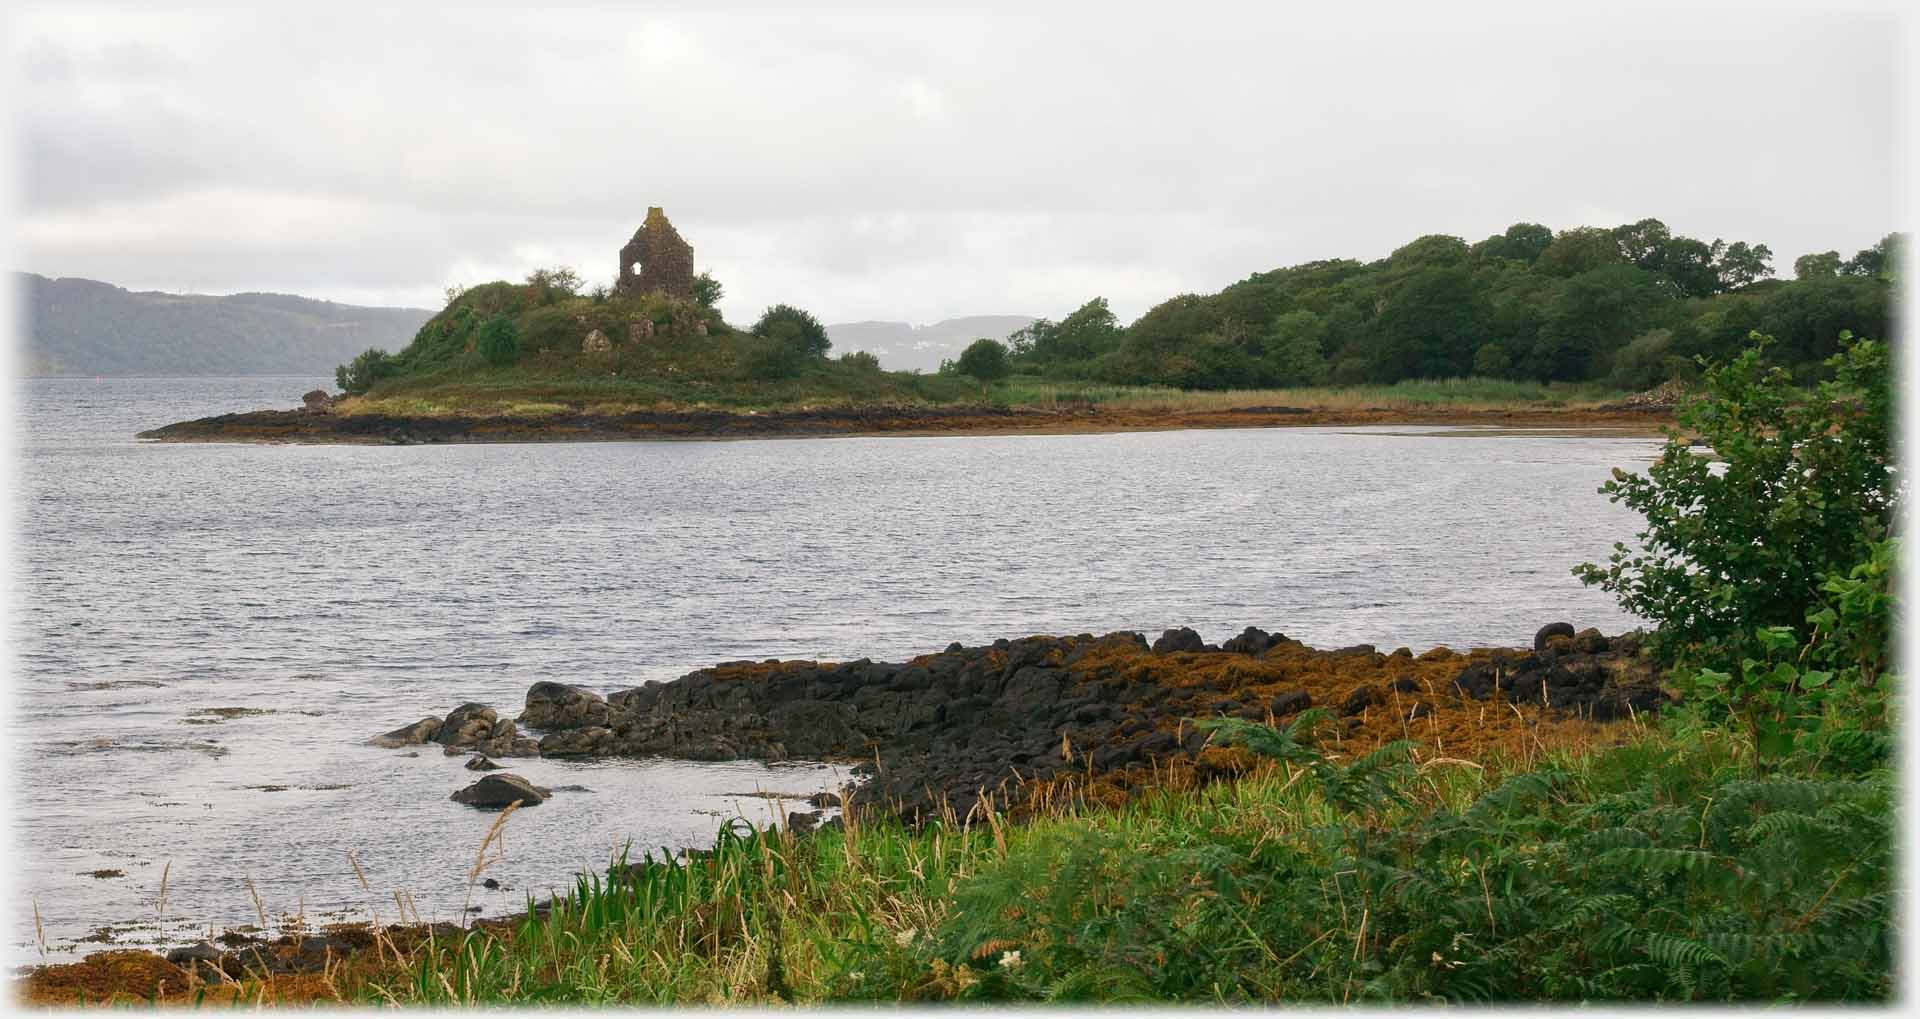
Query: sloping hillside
85	327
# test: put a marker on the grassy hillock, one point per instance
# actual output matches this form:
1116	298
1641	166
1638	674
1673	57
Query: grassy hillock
523	348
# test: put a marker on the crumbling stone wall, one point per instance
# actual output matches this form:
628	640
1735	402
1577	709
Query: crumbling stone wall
664	258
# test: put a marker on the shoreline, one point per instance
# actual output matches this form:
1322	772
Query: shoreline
309	427
1014	729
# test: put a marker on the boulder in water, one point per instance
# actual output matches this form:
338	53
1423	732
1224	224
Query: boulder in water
496	791
407	735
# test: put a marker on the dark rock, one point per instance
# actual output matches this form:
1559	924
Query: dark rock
496	791
407	735
1357	649
1475	681
490	883
1550	631
1405	684
815	728
481	762
1590	642
800	823
823	800
1362	698
1420	709
1252	641
316	401
206	960
1180	639
1290	703
560	706
469	723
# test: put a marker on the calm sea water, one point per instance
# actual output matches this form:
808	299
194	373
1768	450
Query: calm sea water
334	592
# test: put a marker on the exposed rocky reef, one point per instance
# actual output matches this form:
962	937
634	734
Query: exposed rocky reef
938	732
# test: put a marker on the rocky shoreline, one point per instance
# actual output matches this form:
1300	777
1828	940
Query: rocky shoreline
321	423
1010	726
938	732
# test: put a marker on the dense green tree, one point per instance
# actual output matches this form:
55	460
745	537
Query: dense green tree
1646	361
1644	243
1430	327
1293	349
1430	251
1880	261
1740	264
1492	361
1597	312
985	360
1091	330
861	359
1582	249
1522	242
1817	266
795	328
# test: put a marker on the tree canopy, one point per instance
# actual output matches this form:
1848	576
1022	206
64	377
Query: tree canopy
1635	304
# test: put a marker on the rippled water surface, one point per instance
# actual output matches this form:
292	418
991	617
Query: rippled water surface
333	592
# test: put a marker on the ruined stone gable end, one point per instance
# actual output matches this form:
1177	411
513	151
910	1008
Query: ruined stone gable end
664	260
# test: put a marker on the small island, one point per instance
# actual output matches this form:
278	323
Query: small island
1581	328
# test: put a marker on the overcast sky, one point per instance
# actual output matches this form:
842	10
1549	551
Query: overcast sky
876	165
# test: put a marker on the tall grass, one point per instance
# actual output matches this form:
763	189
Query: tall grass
1668	869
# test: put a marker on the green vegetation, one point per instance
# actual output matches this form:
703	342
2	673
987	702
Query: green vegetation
1669	869
985	360
1635	305
1619	309
1739	849
1767	568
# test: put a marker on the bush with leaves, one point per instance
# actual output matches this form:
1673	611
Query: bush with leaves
357	376
794	328
860	359
985	360
1737	555
707	291
498	340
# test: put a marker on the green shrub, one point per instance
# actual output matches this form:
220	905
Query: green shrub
1739	560
359	375
498	341
707	291
985	360
861	359
1645	362
793	327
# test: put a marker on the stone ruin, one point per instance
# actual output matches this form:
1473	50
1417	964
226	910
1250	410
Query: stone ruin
664	258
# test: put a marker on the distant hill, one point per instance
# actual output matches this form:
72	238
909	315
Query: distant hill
85	327
904	347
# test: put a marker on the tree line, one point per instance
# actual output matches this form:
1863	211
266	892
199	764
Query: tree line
1632	306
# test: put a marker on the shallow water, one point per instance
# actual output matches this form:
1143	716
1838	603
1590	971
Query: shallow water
340	591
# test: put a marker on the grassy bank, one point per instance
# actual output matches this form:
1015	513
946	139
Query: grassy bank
1669	869
520	391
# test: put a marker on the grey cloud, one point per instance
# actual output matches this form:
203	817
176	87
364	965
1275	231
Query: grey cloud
877	165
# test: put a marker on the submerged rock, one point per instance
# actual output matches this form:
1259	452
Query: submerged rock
481	762
502	790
